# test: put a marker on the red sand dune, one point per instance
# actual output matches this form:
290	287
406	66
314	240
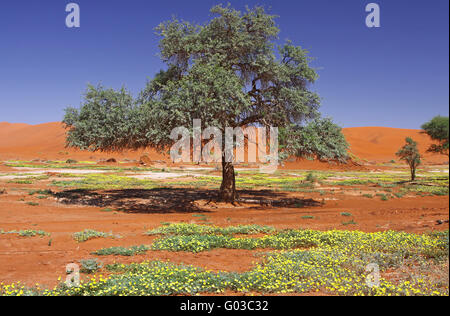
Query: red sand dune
46	141
381	143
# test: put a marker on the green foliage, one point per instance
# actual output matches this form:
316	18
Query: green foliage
443	236
438	130
399	194
199	243
90	266
410	153
428	190
427	182
334	263
288	239
26	233
107	210
311	177
121	251
229	72
383	196
42	192
106	121
320	138
194	229
88	234
21	181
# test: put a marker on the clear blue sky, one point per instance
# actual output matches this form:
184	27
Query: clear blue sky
396	76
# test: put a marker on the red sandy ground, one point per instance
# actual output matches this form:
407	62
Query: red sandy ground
32	260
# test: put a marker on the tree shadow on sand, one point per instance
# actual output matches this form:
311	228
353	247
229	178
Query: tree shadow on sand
174	200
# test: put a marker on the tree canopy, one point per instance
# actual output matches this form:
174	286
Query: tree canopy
437	129
411	155
228	72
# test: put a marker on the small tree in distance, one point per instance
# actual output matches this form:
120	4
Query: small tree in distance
410	153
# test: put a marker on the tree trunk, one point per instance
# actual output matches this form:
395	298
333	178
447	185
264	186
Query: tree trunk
228	188
413	173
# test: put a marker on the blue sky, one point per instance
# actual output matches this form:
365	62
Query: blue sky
396	75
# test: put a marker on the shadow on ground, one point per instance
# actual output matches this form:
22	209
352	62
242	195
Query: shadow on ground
173	200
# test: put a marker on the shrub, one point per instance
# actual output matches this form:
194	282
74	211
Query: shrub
90	266
121	251
88	234
20	181
383	196
194	229
399	195
41	192
107	210
26	233
311	177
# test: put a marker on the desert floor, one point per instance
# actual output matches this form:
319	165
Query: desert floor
61	199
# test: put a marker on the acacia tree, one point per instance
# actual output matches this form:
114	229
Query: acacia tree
228	73
437	129
410	153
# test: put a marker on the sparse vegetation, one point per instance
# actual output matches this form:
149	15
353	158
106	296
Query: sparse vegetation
41	192
383	196
122	251
88	234
311	177
194	229
25	233
333	262
89	266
